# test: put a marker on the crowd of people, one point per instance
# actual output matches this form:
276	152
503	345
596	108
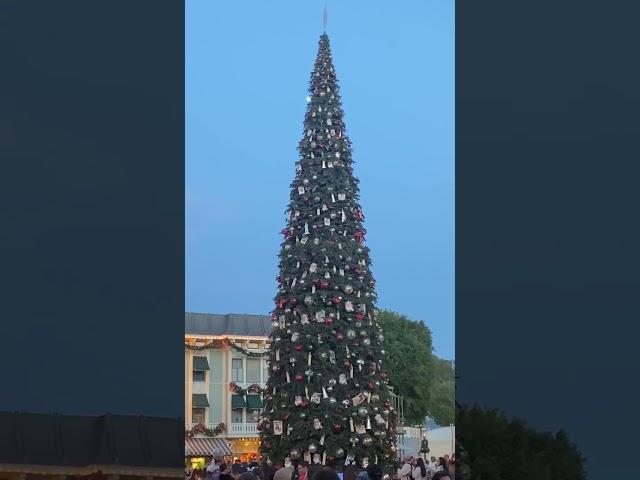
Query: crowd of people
411	468
416	468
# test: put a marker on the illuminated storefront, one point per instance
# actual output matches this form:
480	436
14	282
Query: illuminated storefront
245	449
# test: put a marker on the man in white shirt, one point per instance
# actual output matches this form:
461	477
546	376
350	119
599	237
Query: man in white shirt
404	472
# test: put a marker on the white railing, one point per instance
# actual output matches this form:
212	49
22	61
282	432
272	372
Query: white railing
412	432
243	429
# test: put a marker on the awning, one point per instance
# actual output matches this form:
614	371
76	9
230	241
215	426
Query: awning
254	402
200	364
206	446
237	401
199	400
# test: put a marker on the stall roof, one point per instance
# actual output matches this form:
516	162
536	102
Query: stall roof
205	447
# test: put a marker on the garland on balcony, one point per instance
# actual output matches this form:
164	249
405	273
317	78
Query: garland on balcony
253	388
201	428
244	351
226	342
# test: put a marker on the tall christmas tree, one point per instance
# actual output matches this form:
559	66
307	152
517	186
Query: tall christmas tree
327	399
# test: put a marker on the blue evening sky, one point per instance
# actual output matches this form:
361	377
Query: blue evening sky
247	70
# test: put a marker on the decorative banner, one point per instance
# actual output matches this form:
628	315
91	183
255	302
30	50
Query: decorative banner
358	399
277	427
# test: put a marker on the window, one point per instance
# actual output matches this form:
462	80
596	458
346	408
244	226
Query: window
253	370
199	376
236	415
197	415
253	416
265	372
237	374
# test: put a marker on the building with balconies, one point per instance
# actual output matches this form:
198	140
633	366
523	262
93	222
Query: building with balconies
226	371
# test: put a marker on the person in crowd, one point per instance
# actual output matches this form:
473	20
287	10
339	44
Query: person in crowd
404	472
433	464
213	470
312	470
325	473
374	472
236	470
247	476
420	471
443	466
267	471
284	473
303	470
351	472
441	475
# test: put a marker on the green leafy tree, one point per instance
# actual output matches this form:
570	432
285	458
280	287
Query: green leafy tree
409	358
493	446
425	381
443	392
327	395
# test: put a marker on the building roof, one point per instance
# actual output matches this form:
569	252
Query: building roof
229	324
79	441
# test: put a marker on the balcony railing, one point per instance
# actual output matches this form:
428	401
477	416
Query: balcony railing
243	429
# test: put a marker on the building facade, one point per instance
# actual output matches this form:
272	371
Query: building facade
226	371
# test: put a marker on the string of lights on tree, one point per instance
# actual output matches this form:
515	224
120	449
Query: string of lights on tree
327	399
226	342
